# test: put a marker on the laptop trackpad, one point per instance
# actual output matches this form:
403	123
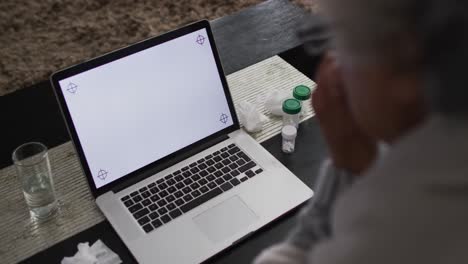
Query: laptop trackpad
225	219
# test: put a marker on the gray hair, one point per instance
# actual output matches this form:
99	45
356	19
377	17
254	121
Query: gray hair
430	35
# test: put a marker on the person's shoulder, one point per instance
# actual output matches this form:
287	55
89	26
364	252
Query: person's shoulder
426	169
411	204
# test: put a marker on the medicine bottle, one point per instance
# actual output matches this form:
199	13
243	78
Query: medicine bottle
289	134
302	93
291	110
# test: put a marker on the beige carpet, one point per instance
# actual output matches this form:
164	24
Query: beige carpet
39	37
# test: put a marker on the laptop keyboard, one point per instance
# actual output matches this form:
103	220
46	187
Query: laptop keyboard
175	194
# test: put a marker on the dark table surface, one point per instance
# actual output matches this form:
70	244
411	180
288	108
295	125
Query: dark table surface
243	39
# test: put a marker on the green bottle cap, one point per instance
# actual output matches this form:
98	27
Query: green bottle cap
292	106
301	92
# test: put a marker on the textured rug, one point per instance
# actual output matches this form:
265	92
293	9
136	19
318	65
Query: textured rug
39	37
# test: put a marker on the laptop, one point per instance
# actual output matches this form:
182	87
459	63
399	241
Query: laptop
159	141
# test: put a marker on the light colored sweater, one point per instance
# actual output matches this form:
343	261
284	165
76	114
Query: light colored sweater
410	207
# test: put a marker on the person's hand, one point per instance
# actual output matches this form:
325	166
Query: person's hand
350	148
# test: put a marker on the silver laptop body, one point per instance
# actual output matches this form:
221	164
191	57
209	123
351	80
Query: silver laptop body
160	144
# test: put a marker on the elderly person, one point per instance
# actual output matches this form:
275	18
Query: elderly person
396	75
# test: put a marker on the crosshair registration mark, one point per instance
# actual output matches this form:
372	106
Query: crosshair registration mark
201	39
223	118
102	174
72	88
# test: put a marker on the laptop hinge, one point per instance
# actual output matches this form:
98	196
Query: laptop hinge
160	167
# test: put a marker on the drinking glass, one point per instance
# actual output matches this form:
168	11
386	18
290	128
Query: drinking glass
34	173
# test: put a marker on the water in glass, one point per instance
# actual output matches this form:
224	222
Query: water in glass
39	194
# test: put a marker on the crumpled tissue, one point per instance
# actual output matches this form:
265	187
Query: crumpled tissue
274	102
98	253
251	117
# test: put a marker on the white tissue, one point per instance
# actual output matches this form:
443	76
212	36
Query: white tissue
98	253
249	115
274	102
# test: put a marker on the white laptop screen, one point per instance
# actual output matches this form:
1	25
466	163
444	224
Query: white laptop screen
138	109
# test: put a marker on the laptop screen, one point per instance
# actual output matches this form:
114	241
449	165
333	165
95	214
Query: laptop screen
133	111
